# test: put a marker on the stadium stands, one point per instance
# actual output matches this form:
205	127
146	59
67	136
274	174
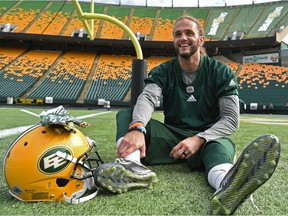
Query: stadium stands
165	22
60	18
75	23
23	13
8	54
67	79
153	61
143	20
17	78
47	22
111	80
283	22
245	18
64	74
6	5
200	13
233	65
219	22
270	16
259	83
110	30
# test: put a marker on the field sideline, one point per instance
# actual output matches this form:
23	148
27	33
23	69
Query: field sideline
179	191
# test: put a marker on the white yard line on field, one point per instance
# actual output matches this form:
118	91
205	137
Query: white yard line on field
17	130
13	131
91	115
265	121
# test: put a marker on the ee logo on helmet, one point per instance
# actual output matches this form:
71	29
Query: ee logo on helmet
49	163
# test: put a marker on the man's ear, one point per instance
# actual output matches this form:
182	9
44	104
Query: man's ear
202	40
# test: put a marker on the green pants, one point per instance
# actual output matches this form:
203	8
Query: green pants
161	138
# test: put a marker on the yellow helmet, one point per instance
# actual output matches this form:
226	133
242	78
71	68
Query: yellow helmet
50	164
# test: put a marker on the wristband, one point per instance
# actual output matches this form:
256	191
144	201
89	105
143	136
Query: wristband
135	124
139	128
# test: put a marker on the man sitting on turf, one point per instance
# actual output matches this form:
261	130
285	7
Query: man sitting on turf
201	109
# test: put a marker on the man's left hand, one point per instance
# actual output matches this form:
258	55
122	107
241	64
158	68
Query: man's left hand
187	147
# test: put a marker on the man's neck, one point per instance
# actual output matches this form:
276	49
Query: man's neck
191	64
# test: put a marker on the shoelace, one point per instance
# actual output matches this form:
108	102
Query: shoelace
252	201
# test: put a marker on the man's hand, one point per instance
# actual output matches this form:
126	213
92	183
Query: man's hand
187	147
131	142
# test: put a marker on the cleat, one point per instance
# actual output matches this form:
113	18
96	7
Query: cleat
266	176
123	175
259	182
254	167
244	164
227	212
272	163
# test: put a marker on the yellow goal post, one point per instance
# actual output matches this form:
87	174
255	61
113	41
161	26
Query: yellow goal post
84	17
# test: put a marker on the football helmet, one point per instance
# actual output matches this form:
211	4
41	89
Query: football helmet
43	164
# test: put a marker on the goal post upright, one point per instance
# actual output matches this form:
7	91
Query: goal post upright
139	65
90	16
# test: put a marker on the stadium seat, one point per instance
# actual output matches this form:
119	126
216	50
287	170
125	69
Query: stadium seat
142	20
218	23
270	16
76	24
59	18
154	61
66	81
23	14
259	83
165	23
6	5
246	18
51	20
8	54
17	78
110	30
111	80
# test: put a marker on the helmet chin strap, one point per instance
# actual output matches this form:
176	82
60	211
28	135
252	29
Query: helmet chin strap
77	199
89	184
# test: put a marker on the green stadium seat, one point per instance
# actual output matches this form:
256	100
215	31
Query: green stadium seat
76	23
111	80
66	81
263	84
218	23
165	23
17	78
246	18
110	30
268	19
142	20
23	14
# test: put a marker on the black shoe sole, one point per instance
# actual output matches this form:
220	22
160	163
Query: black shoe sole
254	167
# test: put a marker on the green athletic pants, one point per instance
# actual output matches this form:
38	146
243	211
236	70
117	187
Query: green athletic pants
161	138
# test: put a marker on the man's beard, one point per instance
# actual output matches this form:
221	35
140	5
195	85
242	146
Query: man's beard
186	55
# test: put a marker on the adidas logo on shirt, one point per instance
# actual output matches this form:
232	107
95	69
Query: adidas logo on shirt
191	99
232	83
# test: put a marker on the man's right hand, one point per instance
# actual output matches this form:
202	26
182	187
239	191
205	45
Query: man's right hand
132	141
